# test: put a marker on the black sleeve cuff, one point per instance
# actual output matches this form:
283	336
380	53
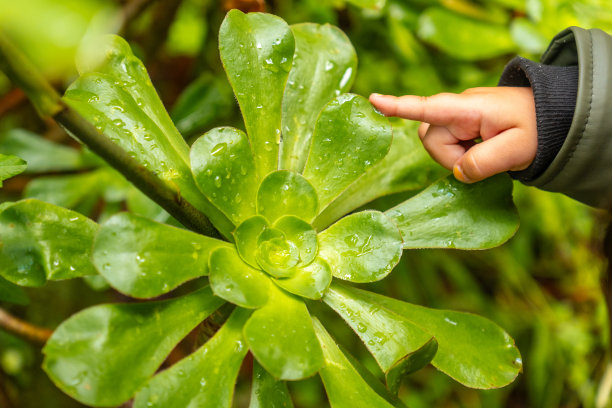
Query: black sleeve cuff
554	90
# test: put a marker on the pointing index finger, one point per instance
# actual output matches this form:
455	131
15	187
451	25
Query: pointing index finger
440	109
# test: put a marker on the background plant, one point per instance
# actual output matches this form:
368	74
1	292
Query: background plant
537	262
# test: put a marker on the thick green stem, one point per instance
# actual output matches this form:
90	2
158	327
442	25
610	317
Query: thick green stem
48	103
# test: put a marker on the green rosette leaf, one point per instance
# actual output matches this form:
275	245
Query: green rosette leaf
144	259
362	247
223	167
407	167
286	193
237	282
204	379
398	345
40	242
118	347
282	339
344	386
267	392
451	214
471	349
349	138
325	53
115	93
257	52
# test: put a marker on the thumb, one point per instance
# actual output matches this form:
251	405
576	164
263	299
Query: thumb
509	150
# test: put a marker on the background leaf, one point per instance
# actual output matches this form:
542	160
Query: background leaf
10	166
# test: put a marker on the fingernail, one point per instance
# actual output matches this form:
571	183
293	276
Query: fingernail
458	173
375	94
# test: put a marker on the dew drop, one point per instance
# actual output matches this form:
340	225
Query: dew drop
219	149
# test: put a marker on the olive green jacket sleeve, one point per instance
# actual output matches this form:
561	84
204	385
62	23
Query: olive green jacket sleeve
583	167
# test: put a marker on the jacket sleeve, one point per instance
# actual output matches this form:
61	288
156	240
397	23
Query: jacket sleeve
582	168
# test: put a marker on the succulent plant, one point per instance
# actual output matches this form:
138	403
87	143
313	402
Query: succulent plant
279	194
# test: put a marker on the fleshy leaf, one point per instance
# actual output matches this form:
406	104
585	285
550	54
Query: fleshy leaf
246	238
40	242
349	138
344	386
471	349
281	337
144	259
111	55
301	234
223	167
257	52
10	166
43	155
407	167
451	214
204	379
267	392
117	96
362	247
11	293
310	281
237	282
275	254
118	347
323	54
390	338
286	193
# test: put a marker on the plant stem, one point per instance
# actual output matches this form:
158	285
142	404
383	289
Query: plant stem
48	103
23	329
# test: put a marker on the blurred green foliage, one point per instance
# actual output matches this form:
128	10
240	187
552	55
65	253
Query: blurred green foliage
542	286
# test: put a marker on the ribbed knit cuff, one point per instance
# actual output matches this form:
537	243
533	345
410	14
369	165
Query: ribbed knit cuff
554	90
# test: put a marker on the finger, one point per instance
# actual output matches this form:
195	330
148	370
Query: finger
442	146
441	109
423	130
509	150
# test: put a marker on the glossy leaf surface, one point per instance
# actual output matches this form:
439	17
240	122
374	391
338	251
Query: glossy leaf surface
144	259
389	337
237	282
349	138
281	337
118	347
451	214
223	167
286	193
301	234
362	247
310	281
246	238
267	392
257	52
204	379
407	167
10	166
116	95
40	242
325	55
471	349
344	386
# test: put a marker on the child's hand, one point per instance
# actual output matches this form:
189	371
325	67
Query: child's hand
503	117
